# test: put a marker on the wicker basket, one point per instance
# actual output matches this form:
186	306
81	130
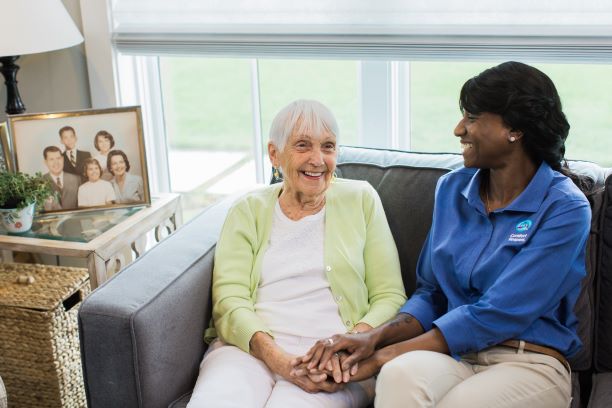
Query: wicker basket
40	361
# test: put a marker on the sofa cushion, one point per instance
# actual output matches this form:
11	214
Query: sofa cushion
594	172
181	402
603	329
576	397
585	305
601	393
406	184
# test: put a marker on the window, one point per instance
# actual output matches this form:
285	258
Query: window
587	103
391	71
218	111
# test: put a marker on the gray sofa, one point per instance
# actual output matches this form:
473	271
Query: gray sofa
141	332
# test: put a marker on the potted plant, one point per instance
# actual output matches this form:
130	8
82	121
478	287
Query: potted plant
20	193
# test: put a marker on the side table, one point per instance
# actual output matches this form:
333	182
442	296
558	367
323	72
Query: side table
99	236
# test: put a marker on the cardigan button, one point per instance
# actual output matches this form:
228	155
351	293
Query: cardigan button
339	298
328	268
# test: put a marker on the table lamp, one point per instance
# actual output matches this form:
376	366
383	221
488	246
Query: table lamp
29	27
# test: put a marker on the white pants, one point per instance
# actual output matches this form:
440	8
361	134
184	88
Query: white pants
229	377
496	377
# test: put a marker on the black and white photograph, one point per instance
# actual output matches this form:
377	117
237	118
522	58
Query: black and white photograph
92	158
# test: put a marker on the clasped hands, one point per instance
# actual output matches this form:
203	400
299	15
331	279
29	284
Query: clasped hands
342	357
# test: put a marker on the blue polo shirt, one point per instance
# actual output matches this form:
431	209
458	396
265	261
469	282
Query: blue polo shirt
513	274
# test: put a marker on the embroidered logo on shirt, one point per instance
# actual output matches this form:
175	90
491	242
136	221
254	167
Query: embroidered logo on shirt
522	227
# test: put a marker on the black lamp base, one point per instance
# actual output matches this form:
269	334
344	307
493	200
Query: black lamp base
9	69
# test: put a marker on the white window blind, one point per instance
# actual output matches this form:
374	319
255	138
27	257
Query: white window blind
363	29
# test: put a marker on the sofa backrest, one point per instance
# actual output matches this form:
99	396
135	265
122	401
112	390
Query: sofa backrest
406	183
603	329
585	308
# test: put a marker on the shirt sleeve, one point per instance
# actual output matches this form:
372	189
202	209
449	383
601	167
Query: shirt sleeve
534	282
110	193
233	310
383	276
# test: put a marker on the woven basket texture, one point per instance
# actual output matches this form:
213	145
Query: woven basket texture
40	361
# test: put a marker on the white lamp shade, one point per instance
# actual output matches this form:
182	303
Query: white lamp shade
31	26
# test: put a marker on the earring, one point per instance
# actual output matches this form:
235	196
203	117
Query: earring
334	177
276	174
512	139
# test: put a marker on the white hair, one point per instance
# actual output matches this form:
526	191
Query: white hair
303	116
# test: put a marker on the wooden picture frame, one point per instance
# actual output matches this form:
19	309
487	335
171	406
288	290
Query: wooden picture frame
5	156
70	148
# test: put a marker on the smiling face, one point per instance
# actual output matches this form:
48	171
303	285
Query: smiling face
118	165
68	139
93	172
485	139
54	162
104	144
308	162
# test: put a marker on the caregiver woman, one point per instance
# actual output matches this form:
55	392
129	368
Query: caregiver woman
491	323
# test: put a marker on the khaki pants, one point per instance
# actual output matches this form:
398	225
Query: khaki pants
496	377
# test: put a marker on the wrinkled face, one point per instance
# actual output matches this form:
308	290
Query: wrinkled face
68	139
117	165
308	162
484	139
55	163
93	172
104	144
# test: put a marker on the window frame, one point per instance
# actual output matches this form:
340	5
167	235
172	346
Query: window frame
117	79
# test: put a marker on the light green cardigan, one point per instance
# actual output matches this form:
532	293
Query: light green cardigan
361	260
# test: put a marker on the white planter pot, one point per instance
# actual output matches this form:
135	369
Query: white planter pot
17	220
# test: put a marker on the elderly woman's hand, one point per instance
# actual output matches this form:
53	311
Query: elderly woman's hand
316	383
332	369
359	346
309	382
280	362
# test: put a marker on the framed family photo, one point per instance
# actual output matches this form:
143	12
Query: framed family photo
93	158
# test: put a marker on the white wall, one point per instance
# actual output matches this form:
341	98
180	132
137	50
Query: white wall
53	81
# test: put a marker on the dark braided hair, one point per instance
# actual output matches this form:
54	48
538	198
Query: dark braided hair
527	101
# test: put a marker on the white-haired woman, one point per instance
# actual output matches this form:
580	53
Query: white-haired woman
297	261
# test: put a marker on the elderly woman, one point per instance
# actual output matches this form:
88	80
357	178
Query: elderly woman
305	258
94	191
491	322
103	142
128	187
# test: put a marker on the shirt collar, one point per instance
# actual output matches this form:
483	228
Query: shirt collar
528	201
54	178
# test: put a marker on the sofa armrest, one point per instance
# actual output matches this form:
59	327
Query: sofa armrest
141	332
601	392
